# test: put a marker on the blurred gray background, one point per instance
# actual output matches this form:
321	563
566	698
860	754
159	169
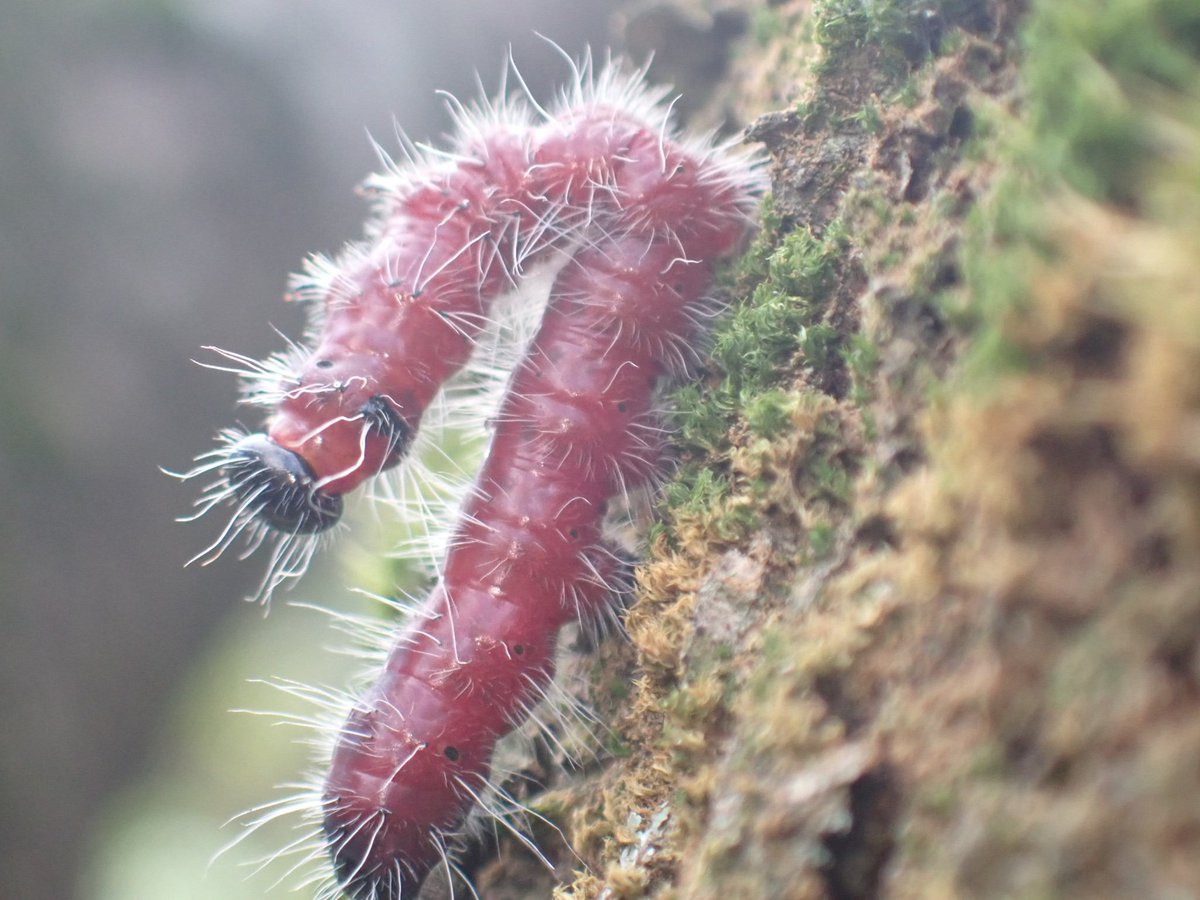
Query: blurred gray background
163	165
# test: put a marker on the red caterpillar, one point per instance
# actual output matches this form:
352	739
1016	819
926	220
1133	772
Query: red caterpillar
577	429
633	216
397	316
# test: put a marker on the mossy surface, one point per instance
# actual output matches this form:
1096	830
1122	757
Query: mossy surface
921	615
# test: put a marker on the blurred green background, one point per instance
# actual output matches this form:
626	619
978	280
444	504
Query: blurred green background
163	165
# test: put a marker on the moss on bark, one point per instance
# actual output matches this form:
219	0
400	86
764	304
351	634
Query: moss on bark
922	618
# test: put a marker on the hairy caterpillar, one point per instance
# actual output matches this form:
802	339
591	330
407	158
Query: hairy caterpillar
637	216
397	315
577	428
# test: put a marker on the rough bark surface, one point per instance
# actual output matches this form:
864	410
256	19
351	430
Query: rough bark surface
923	616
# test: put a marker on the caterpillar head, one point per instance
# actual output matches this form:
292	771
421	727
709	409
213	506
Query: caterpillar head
334	426
291	479
285	494
278	488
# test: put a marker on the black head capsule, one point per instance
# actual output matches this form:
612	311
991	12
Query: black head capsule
278	488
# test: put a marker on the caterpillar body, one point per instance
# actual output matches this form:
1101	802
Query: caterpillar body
527	558
396	316
636	216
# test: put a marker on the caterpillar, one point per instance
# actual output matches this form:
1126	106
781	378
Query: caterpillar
635	217
577	428
397	315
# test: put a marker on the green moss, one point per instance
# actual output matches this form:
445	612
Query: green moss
702	491
818	344
1004	247
830	480
869	118
909	94
770	414
1093	82
754	263
899	34
694	706
784	326
788	280
861	357
1089	75
702	494
821	540
886	26
762	335
703	417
